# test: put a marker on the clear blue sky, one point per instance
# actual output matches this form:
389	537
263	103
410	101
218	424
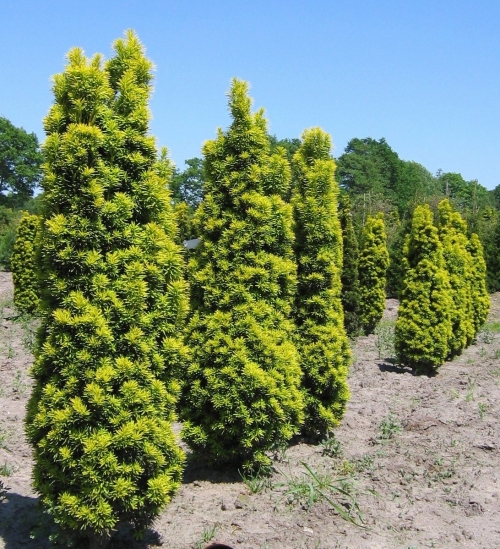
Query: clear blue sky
425	75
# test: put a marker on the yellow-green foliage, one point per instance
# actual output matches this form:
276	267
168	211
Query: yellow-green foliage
321	337
242	392
23	264
373	264
424	325
113	304
452	233
477	278
350	269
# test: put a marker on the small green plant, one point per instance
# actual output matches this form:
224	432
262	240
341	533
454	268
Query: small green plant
389	427
6	470
496	355
10	351
483	407
18	385
3	491
4	437
385	339
454	393
207	535
256	482
29	327
331	447
312	487
485	335
471	387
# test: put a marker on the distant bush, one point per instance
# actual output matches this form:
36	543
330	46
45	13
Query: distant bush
373	265
424	324
24	274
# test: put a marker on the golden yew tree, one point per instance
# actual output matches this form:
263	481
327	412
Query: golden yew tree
321	337
453	235
241	392
113	304
23	264
373	265
424	324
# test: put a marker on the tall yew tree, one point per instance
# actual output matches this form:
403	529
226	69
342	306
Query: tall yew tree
113	301
350	270
477	277
373	264
452	232
424	324
321	337
23	264
241	395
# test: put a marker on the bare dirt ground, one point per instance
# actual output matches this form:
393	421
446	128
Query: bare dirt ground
420	457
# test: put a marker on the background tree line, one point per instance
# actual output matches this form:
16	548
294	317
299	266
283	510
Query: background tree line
369	172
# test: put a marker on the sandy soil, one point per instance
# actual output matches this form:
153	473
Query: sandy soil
420	457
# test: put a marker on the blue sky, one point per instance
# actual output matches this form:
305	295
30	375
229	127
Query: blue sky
425	75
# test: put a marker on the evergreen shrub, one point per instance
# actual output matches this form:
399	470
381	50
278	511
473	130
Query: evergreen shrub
321	337
241	395
373	265
453	235
350	274
424	324
113	303
477	277
23	265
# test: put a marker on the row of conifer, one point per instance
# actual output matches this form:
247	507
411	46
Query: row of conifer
251	350
444	300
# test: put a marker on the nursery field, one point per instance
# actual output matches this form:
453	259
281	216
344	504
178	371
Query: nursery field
415	462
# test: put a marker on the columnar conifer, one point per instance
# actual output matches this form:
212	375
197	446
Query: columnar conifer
350	275
321	337
23	264
424	324
452	232
373	264
241	394
100	414
477	278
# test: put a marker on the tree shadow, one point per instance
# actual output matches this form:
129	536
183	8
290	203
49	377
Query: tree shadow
198	470
389	366
20	521
24	524
400	369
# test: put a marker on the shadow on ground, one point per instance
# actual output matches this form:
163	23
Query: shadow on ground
23	524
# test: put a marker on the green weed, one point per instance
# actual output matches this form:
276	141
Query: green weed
18	385
389	427
331	447
385	339
256	482
311	487
471	387
207	535
4	437
6	470
482	406
3	490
